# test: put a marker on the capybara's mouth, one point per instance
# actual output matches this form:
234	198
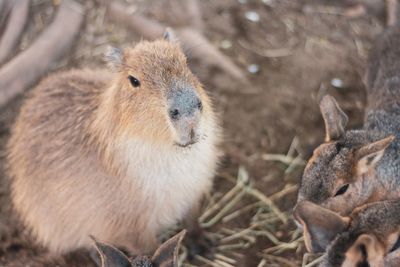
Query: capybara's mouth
188	144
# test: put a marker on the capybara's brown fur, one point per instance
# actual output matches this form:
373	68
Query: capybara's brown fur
118	155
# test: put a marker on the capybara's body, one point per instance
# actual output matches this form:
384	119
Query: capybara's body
91	154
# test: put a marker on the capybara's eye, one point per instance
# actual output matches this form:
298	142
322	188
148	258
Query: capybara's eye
135	82
174	114
342	190
200	105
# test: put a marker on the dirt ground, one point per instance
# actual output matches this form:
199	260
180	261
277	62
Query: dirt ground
279	105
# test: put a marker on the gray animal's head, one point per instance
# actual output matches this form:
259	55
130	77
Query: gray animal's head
341	174
369	236
165	256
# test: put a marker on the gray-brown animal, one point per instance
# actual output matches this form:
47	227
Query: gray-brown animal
117	155
369	236
356	167
165	256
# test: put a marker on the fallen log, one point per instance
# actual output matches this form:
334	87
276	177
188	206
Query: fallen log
29	66
14	29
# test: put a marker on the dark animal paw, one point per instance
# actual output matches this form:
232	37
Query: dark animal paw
200	244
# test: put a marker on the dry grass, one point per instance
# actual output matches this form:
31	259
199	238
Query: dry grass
264	218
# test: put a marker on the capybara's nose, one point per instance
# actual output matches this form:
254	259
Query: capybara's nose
184	103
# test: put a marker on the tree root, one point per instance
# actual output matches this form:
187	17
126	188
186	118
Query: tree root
14	29
29	66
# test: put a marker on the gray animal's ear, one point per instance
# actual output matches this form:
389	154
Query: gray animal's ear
320	225
167	254
114	57
111	256
369	155
169	35
334	117
366	251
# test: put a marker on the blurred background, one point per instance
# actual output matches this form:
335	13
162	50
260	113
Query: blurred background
262	61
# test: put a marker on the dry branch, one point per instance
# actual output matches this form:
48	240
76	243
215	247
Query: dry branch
14	29
148	28
3	4
5	7
192	40
200	48
392	9
194	12
27	67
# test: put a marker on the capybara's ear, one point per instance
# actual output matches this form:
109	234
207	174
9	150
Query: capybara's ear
114	57
320	225
167	254
334	117
369	155
170	35
366	251
111	256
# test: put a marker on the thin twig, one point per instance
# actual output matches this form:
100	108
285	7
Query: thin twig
283	158
268	53
224	210
268	202
280	260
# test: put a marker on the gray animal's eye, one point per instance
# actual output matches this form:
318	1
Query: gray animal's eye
342	190
135	82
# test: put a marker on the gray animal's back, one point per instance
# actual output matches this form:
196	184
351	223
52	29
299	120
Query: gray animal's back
383	74
383	91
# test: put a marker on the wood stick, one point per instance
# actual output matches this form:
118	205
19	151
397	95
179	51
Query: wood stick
14	29
200	48
392	9
192	40
5	8
194	12
30	65
146	27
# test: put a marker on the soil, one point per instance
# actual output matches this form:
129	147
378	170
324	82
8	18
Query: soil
278	105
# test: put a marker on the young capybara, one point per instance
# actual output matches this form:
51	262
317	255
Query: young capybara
118	155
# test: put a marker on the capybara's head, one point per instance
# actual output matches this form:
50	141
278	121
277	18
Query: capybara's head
155	96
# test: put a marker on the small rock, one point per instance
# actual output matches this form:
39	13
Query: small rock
253	68
268	2
252	16
337	83
225	44
243	1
